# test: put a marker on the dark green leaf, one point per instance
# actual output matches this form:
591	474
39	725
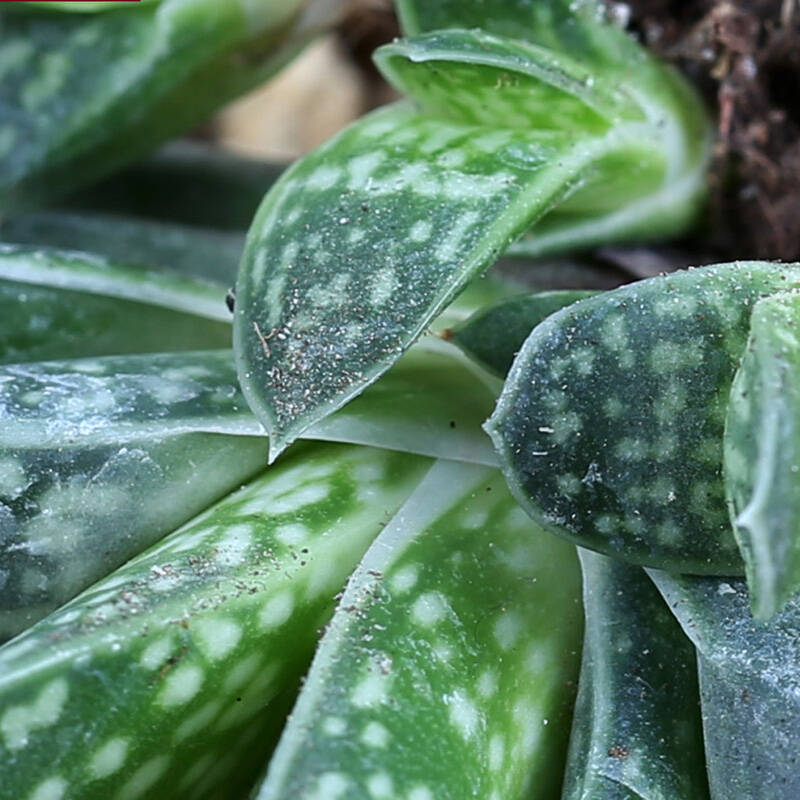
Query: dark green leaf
493	336
610	424
636	734
448	669
187	182
749	686
196	252
61	304
83	94
762	453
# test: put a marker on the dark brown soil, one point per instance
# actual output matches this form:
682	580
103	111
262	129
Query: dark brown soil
745	58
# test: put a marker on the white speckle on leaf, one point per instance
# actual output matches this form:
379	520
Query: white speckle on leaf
181	684
429	609
277	610
375	735
18	722
217	636
109	758
51	789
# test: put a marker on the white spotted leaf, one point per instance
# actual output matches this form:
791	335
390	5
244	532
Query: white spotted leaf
447	671
762	454
581	29
364	242
104	457
172	675
84	441
610	424
82	94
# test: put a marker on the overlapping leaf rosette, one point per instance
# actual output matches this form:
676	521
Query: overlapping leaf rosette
163	591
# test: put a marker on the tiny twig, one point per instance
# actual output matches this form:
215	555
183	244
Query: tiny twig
264	339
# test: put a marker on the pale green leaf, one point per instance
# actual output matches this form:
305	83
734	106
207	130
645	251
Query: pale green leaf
519	19
64	304
749	686
83	6
579	28
168	678
84	272
448	669
762	453
522	85
100	458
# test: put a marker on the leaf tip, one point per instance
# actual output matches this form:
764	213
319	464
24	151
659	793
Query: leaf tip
277	444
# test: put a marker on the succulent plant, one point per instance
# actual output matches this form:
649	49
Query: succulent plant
413	592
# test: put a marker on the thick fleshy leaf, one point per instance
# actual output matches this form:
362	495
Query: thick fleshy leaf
762	453
187	182
580	29
59	305
85	272
99	459
157	681
362	243
520	19
87	7
611	420
105	456
520	85
310	334
448	670
82	94
197	252
749	686
636	734
493	336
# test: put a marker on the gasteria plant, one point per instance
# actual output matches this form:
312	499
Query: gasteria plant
163	592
